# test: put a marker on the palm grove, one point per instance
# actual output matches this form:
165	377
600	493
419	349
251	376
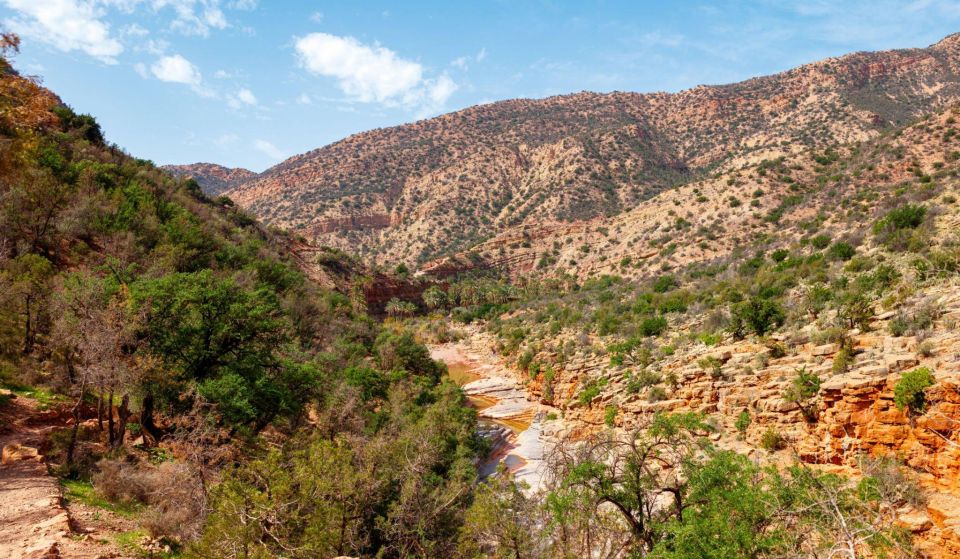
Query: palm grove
298	426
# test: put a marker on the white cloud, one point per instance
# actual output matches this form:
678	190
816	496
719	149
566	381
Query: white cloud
67	25
247	97
372	73
134	30
482	54
176	69
225	140
316	17
194	17
243	5
460	62
243	97
268	149
304	99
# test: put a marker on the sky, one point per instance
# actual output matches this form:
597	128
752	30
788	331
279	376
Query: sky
248	83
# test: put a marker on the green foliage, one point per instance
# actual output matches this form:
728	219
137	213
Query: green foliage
771	440
841	251
899	228
400	352
743	422
652	326
758	315
435	298
664	283
820	241
910	391
212	332
802	390
399	491
591	389
609	415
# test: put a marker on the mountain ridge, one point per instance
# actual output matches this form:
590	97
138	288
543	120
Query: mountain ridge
213	178
395	193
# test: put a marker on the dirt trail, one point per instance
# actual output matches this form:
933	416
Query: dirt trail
33	522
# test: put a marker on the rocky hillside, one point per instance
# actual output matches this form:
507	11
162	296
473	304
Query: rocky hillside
422	190
775	202
213	179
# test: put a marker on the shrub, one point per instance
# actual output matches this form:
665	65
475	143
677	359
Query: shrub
801	392
904	217
842	361
820	242
909	392
652	326
642	379
743	421
896	229
712	365
779	255
899	325
757	315
610	415
664	283
772	440
591	390
841	251
656	394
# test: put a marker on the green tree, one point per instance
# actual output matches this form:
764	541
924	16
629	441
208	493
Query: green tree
435	298
910	391
757	314
801	391
501	522
28	277
225	339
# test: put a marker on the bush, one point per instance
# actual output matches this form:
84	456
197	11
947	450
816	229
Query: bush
743	421
772	440
896	230
652	326
757	315
591	390
909	392
841	251
610	415
656	394
664	284
820	242
904	217
779	255
801	392
172	491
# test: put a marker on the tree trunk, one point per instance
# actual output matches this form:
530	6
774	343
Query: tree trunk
110	418
28	329
150	432
123	415
76	427
100	410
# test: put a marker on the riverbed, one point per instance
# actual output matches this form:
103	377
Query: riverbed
500	400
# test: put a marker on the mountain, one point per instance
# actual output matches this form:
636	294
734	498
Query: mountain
212	178
415	192
839	192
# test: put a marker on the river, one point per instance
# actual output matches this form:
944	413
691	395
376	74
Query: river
521	429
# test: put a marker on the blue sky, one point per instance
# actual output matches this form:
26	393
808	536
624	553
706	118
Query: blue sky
248	83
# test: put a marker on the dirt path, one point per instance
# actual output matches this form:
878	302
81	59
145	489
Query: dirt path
35	522
32	520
